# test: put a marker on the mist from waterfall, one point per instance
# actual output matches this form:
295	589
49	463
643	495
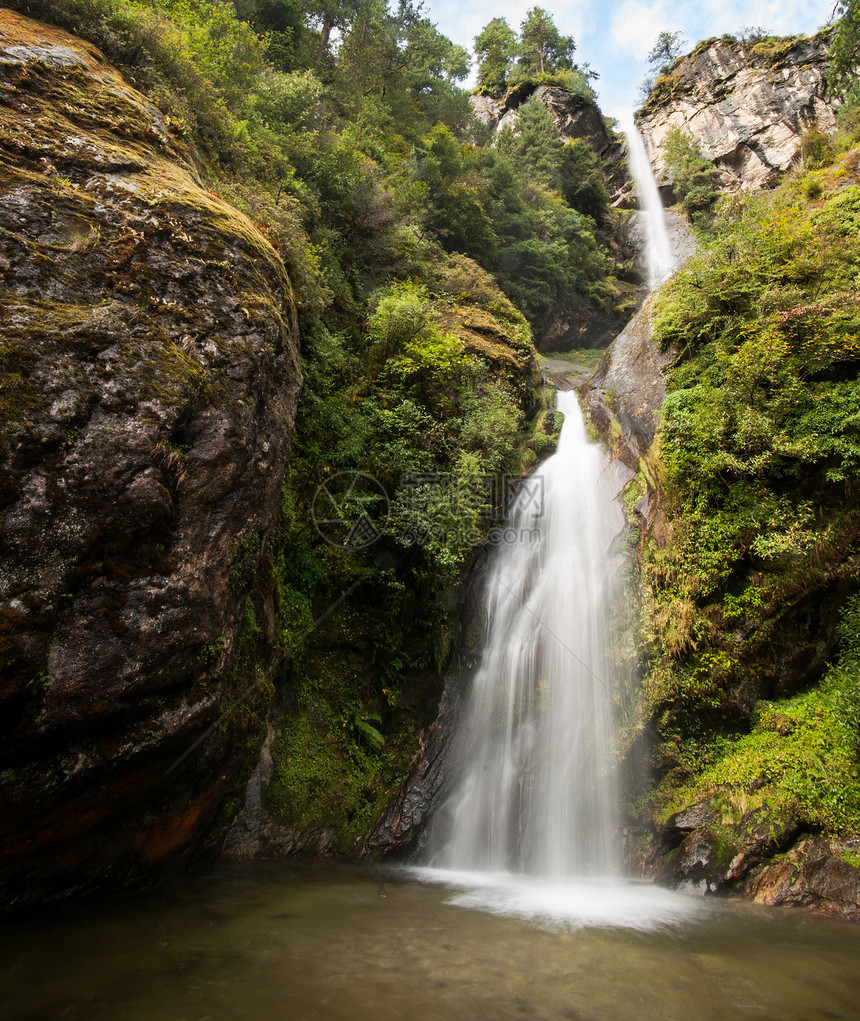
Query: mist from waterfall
660	263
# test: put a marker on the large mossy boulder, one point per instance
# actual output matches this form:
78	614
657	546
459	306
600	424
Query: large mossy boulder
149	375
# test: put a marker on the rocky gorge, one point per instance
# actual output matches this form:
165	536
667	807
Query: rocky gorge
192	667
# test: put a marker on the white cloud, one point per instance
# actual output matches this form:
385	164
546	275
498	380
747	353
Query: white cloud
779	17
635	26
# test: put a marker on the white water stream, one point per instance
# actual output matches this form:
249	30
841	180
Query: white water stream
531	828
537	793
658	250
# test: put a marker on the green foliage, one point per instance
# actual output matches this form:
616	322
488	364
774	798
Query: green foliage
798	761
759	444
542	47
496	49
668	46
816	148
534	213
845	48
540	55
692	176
533	148
849	633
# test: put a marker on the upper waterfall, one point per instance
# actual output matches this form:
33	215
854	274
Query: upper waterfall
658	250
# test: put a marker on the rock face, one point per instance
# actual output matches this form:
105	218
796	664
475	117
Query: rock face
699	851
400	828
812	874
627	390
745	106
150	376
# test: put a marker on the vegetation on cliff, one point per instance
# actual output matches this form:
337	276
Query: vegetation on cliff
412	246
539	54
751	613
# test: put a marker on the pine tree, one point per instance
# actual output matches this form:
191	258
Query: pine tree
542	47
496	50
533	146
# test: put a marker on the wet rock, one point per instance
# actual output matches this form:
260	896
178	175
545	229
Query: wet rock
746	107
697	865
814	874
402	827
421	794
694	817
681	240
150	379
627	390
760	837
706	848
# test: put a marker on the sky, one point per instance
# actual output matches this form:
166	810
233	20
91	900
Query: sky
614	36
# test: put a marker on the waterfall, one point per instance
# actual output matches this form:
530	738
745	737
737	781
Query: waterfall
658	250
537	793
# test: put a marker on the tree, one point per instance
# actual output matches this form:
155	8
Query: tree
388	51
496	49
327	15
533	146
583	180
542	47
693	177
668	46
281	21
845	48
749	35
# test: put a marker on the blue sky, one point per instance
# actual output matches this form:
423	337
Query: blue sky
614	36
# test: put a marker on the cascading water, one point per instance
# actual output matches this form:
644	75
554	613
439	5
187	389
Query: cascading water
537	793
658	249
531	828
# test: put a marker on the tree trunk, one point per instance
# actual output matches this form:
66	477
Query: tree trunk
325	34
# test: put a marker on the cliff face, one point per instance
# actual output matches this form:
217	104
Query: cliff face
745	106
150	375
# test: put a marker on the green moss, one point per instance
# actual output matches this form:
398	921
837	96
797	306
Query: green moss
19	399
798	760
774	50
335	770
169	373
632	494
851	857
